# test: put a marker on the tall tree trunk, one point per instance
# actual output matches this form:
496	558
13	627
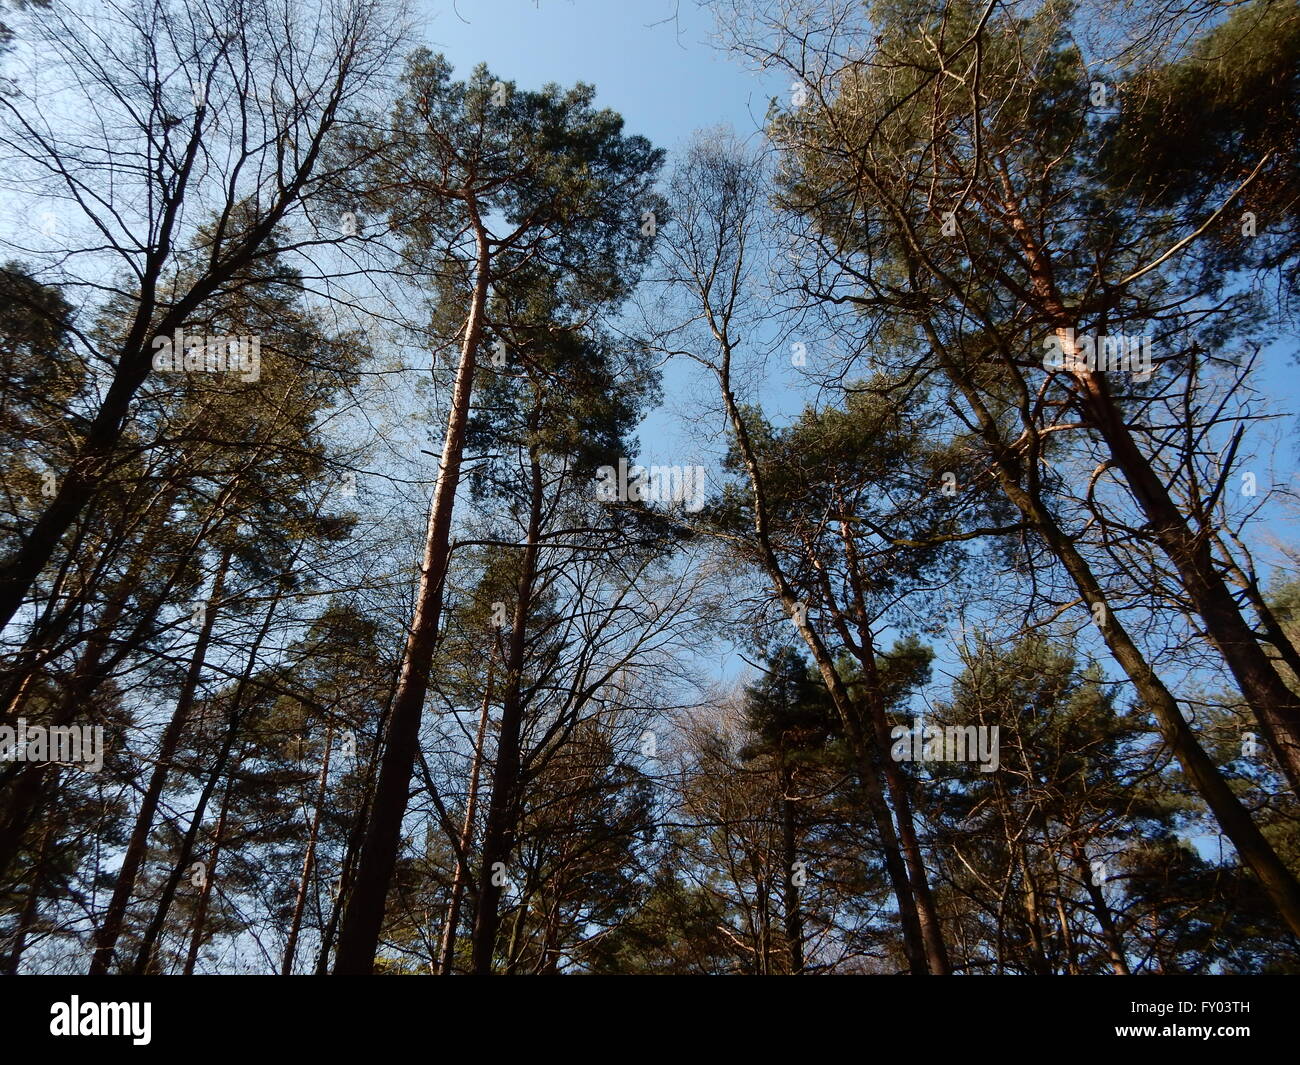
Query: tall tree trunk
232	732
364	915
764	905
548	958
896	782
352	847
548	963
1067	937
153	932
867	756
516	946
1037	953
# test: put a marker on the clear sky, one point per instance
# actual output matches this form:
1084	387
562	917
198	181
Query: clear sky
650	60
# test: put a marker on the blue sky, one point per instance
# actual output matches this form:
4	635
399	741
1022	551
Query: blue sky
664	77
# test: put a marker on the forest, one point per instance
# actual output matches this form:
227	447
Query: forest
445	530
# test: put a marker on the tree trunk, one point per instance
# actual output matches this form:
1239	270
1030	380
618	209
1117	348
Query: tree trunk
352	848
232	731
364	915
309	859
205	891
1276	707
1037	954
1101	910
896	784
867	756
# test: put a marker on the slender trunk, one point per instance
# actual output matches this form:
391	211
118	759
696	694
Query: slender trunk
205	890
793	917
352	847
232	731
448	951
309	859
517	945
927	912
548	959
504	801
1101	910
549	963
1037	953
516	938
896	781
764	952
106	939
867	756
153	932
364	916
1067	937
896	784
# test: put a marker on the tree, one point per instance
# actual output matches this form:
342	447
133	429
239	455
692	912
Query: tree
541	181
957	258
211	128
